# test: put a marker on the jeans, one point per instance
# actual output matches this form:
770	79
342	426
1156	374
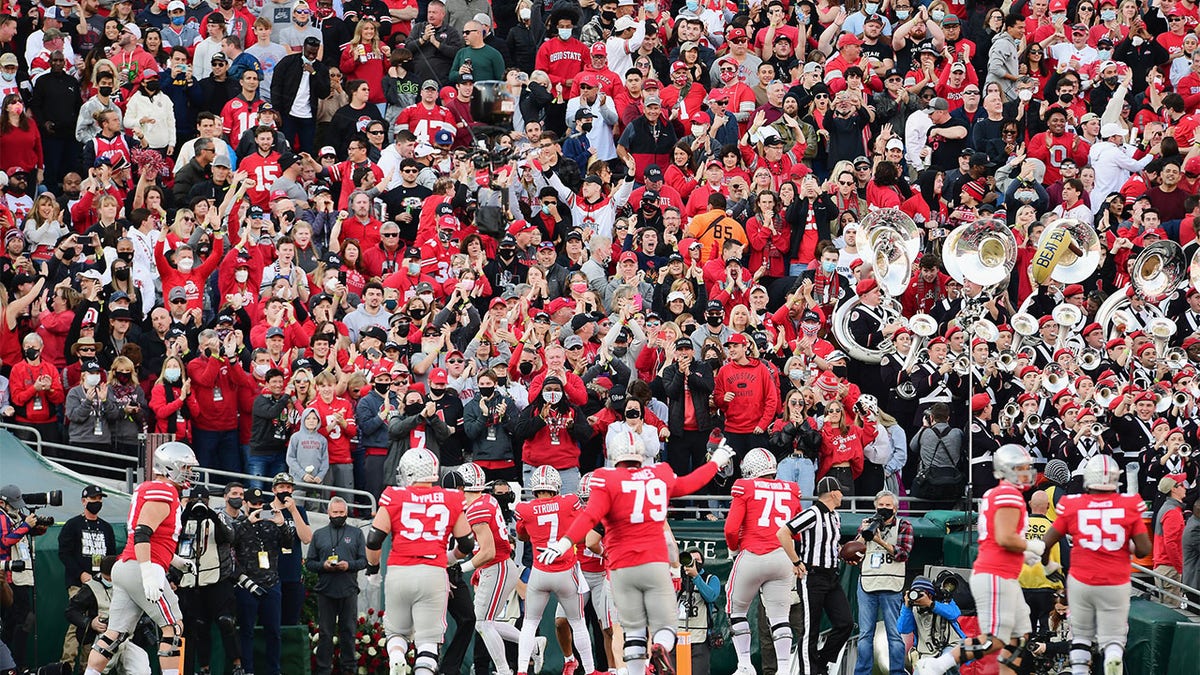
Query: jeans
300	132
260	610
266	466
570	478
800	470
796	269
887	605
218	450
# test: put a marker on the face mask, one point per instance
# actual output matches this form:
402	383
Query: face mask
713	320
107	583
1108	14
124	377
1058	18
185	265
937	15
235	502
91	380
525	367
524	13
620	352
94	507
608	17
552	397
283	495
699	130
337	521
403	327
714	363
413	408
693	5
633	414
871	8
795	374
467	285
505	499
178	20
390	305
416	314
579	287
31	354
486	392
414	268
150	85
1025	94
545	209
172	374
260	369
828	267
651	8
902	14
127	256
840	371
564	33
241	276
1137	41
11	77
121	274
885	514
226	4
586	127
728	77
105	91
1110	81
1106	54
1065	98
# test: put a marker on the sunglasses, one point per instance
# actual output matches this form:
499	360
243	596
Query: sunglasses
410	170
179	302
847	184
390	235
740	41
821	96
375	133
454	361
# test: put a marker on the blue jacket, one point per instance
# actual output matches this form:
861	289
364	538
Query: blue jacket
372	430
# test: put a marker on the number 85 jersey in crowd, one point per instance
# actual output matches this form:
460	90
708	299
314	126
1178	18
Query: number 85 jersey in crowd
1101	527
422	519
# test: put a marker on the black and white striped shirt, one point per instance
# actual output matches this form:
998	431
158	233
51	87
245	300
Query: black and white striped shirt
820	529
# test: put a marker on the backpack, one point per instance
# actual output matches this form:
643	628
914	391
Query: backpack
939	483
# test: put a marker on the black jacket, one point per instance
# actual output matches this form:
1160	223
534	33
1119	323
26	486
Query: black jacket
797	216
269	428
55	102
349	545
700	386
250	539
191	175
286	80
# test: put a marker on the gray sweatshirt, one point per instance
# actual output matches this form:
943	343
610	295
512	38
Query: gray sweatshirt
308	448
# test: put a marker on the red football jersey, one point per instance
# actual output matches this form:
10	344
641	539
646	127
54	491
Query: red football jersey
423	520
543	521
591	562
1102	526
166	536
264	170
237	116
424	123
993	559
760	507
632	503
486	510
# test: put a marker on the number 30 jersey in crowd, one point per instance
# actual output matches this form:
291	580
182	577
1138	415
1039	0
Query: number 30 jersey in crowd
423	519
166	536
1101	527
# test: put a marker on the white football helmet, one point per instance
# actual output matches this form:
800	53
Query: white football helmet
474	479
545	479
585	487
417	465
1101	473
176	461
758	463
1014	464
627	447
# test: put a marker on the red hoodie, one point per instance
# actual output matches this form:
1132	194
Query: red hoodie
212	376
192	282
838	447
755	396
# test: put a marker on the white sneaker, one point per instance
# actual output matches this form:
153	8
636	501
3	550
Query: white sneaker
1114	666
539	655
928	666
745	670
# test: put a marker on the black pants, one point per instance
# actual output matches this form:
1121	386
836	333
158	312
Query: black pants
743	443
18	622
462	610
338	614
291	602
1040	601
822	592
202	607
685	453
766	641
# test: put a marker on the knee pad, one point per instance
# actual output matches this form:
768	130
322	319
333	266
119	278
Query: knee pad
1013	653
975	647
739	625
226	624
108	647
635	646
1081	654
780	631
427	659
168	646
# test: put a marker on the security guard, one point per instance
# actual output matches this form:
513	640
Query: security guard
258	541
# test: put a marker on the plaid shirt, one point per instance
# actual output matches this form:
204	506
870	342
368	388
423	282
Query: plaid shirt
904	539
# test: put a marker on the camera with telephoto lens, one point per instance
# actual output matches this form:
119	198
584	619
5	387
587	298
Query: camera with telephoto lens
12	566
36	500
914	595
871	525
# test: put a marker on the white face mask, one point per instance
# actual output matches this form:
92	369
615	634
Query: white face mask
937	15
8	77
444	165
260	369
185	265
524	14
552	397
331	285
1137	41
91	380
699	130
241	276
1025	94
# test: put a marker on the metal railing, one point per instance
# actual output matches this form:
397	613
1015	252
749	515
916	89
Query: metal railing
1167	591
686	507
128	466
367	501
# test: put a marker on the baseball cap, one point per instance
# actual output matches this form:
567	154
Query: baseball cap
937	103
92	490
438	376
274	332
11	494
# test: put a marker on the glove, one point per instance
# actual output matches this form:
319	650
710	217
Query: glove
554	551
722	456
372	569
152	581
1034	549
1052	568
247	584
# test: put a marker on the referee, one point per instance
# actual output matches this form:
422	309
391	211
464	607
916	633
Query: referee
819	529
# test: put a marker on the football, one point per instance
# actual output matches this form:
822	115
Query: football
853	551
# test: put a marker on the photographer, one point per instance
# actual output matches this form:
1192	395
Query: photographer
258	540
16	551
931	618
87	611
697	593
889	540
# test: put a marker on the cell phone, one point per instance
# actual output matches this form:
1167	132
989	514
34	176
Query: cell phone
266	514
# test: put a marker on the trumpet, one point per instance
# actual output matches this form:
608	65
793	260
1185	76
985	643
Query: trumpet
1180	399
924	327
1055	379
1032	422
1097	429
1176	359
1184	451
962	365
1009	414
1105	396
1007	360
1066	316
1089	359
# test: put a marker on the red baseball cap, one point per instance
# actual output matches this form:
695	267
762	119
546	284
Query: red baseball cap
628	256
438	376
735	33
